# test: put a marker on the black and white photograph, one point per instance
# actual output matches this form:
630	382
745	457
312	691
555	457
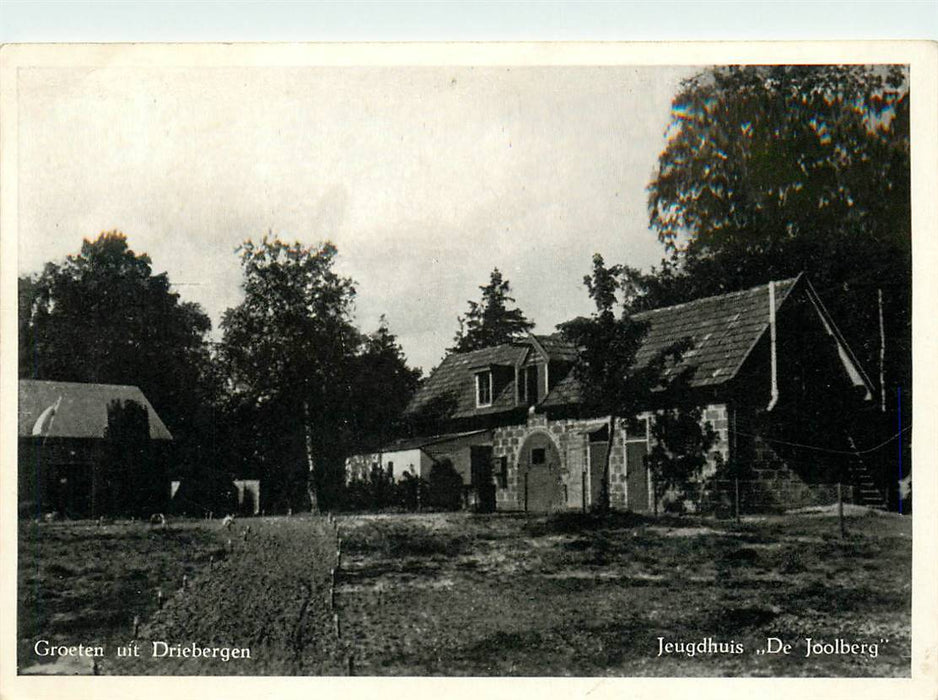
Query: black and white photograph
459	363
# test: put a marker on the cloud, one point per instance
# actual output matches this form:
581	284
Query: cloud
425	177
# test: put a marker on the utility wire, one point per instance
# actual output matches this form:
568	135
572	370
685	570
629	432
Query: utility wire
825	449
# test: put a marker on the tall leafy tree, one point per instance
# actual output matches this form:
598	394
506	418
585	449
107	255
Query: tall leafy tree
612	385
774	170
383	385
492	320
104	316
289	349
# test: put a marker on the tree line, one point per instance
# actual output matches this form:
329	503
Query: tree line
768	171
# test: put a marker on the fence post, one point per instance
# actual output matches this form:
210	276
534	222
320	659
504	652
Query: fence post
583	488
840	510
351	665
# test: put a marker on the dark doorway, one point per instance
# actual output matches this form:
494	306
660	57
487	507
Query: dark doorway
480	458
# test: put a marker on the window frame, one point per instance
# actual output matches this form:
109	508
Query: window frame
527	372
491	388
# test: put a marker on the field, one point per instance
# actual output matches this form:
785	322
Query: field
457	594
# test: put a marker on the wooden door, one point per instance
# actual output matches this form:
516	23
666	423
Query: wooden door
637	476
539	462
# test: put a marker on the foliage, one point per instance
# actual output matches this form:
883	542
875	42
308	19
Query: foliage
608	344
103	316
207	491
680	444
613	385
379	491
773	171
288	349
382	385
490	321
135	477
444	487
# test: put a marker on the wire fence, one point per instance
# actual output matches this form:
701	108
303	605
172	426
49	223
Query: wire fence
729	497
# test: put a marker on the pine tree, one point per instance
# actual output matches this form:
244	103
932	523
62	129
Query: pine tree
490	321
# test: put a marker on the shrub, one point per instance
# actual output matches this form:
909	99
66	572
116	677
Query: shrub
444	487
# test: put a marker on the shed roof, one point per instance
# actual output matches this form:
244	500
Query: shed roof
76	410
419	442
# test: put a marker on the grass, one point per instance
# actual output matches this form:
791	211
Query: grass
458	594
83	582
587	595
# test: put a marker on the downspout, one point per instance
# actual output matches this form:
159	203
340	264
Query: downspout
774	359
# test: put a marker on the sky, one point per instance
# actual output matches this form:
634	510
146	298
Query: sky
425	178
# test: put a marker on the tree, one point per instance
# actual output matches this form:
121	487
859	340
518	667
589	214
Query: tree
134	468
490	321
289	351
103	316
382	385
612	385
773	171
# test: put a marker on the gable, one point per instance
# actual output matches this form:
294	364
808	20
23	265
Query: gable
76	410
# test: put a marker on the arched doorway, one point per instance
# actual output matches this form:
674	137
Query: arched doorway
539	468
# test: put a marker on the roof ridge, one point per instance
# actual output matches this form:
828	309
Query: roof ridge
85	384
724	295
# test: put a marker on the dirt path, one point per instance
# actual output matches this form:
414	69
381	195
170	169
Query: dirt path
264	610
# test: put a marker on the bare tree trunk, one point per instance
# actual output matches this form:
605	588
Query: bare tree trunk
310	463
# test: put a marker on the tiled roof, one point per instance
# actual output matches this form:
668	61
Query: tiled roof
81	411
453	380
557	348
722	330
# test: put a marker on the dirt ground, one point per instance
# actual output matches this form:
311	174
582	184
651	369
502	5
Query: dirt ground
459	594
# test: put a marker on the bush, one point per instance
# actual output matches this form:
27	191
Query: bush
205	492
444	487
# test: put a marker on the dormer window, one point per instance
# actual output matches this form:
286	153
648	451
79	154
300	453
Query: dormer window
483	389
529	382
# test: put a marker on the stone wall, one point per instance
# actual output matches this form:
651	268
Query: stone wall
773	485
571	436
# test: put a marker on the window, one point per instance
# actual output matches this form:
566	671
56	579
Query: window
538	455
483	389
529	386
503	472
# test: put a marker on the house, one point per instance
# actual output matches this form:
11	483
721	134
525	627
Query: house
770	370
465	451
89	449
